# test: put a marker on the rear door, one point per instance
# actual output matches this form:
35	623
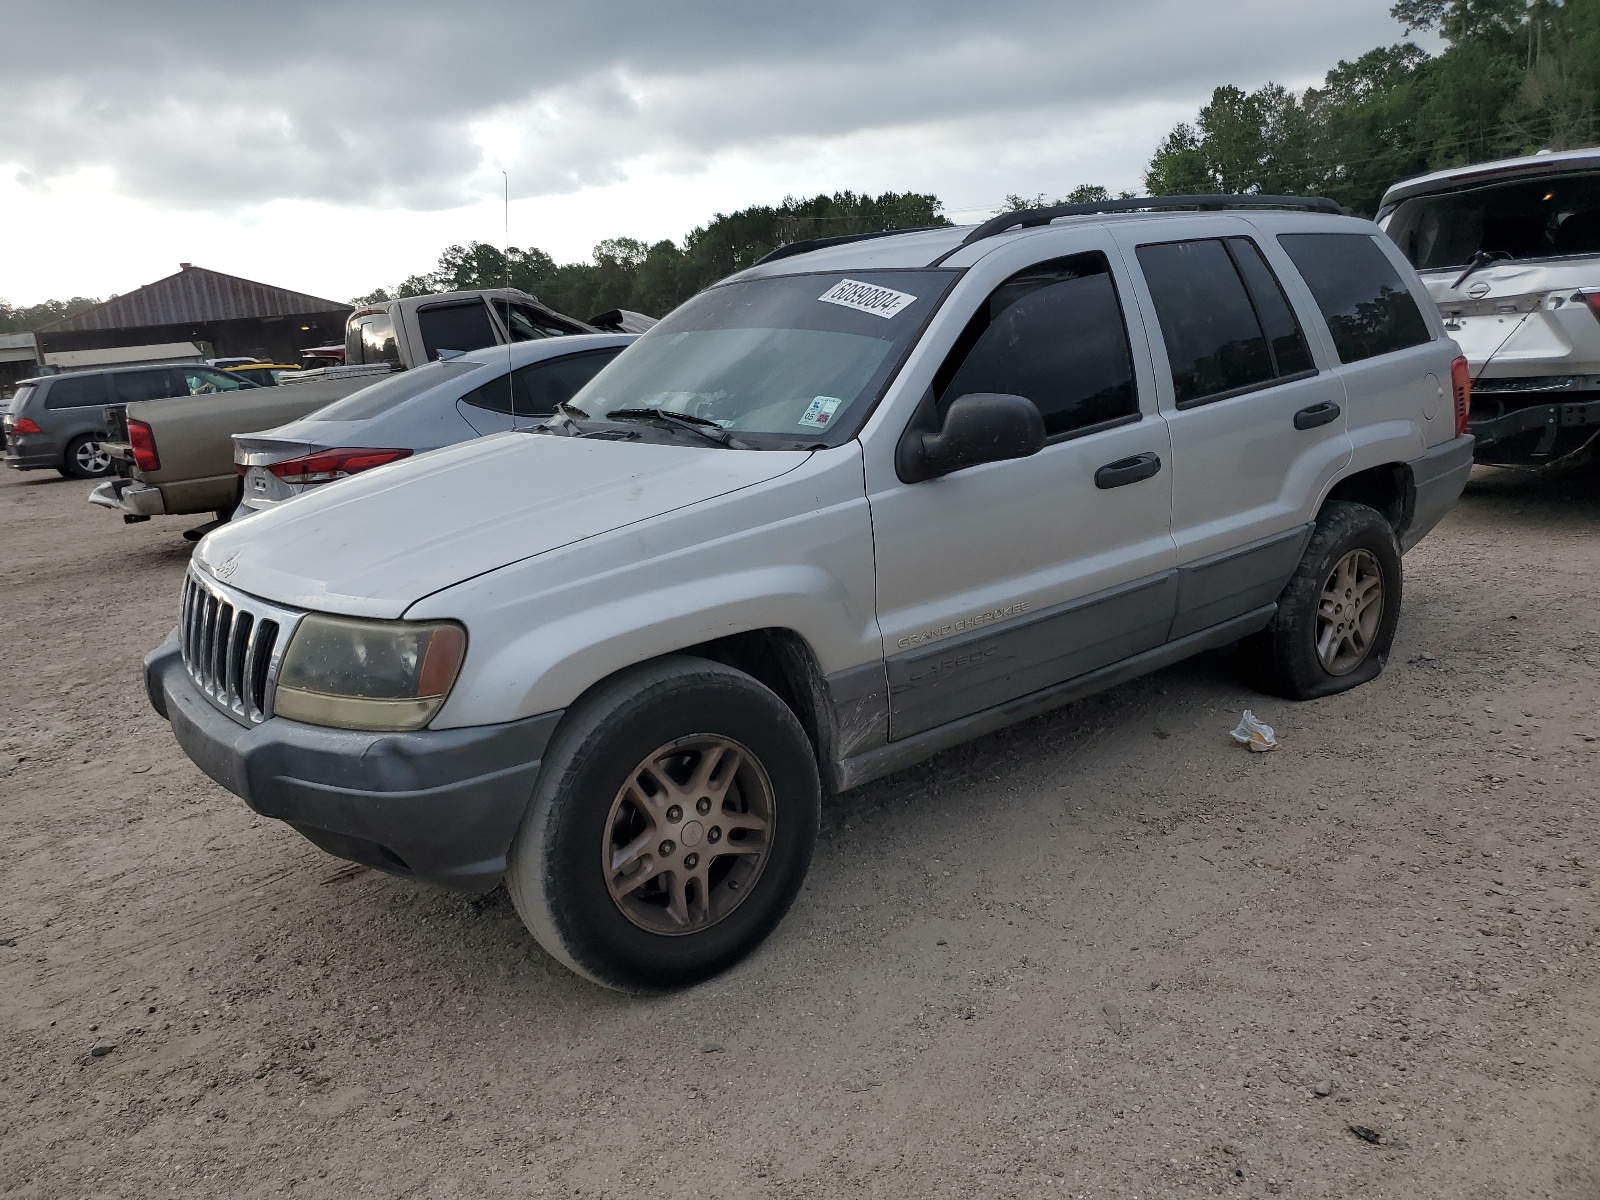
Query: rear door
1394	370
1258	424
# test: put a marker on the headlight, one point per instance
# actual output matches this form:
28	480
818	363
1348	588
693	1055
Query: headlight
379	675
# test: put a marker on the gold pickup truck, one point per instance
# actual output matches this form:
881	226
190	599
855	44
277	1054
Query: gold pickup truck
175	456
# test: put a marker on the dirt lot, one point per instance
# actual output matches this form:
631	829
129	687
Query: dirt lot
1104	953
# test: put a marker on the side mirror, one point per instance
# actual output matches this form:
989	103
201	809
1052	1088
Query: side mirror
978	428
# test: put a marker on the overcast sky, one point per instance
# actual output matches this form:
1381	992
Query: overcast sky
331	146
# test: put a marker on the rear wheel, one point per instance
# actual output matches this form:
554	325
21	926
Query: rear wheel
671	827
86	458
1337	617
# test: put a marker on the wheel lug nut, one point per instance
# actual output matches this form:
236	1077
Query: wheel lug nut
715	834
691	861
674	813
667	848
703	805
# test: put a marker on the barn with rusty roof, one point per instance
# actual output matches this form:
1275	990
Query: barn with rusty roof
225	314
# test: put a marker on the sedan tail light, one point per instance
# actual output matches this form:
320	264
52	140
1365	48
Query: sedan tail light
142	441
1592	299
327	465
1461	386
21	425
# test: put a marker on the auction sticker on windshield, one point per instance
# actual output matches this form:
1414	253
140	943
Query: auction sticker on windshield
866	297
820	411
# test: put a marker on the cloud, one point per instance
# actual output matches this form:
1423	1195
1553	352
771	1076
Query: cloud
417	105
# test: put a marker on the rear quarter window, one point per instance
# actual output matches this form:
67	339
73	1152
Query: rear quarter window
1368	307
76	391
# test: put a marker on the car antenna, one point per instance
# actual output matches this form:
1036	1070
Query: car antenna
505	261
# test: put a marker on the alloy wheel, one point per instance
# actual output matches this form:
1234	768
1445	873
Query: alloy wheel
1349	613
92	458
688	834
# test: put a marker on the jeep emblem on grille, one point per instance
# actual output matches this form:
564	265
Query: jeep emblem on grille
226	567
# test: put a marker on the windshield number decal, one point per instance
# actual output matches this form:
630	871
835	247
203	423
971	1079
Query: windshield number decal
820	411
866	297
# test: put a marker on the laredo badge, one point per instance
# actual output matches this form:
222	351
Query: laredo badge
866	297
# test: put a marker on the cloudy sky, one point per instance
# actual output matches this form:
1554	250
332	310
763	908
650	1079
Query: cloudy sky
332	146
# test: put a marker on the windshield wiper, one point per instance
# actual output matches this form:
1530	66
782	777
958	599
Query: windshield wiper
703	426
1481	259
564	421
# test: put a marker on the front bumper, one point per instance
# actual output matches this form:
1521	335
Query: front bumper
438	805
129	497
1436	480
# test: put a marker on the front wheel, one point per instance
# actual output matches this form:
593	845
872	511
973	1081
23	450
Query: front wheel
671	827
1337	617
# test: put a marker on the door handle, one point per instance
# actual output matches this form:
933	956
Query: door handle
1317	414
1127	470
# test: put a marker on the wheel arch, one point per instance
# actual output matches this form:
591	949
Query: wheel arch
1388	488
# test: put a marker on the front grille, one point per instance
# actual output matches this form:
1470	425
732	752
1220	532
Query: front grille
232	644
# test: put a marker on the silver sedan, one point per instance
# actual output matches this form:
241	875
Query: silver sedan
481	392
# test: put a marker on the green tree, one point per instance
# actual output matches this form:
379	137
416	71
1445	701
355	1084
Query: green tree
28	317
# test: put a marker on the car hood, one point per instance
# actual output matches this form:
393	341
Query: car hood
376	543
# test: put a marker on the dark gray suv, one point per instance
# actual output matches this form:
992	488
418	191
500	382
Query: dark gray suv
60	420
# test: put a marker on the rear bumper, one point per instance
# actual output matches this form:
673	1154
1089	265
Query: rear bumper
1437	479
1537	435
438	805
32	452
130	497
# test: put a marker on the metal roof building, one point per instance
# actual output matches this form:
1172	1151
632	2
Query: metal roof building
232	315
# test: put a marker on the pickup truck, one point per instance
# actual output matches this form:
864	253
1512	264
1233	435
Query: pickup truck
175	456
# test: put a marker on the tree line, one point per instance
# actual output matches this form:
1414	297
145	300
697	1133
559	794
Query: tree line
1513	77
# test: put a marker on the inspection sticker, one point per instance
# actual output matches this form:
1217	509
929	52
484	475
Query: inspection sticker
866	297
820	411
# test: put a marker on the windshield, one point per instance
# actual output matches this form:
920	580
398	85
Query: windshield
391	390
1517	219
780	362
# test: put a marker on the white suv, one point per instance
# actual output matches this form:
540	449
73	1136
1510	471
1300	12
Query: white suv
863	501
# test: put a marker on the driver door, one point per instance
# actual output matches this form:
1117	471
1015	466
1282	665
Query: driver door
1007	578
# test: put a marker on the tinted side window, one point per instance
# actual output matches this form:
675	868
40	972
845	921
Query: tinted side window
1214	341
1055	334
1290	354
1368	307
541	386
76	391
206	381
455	327
129	386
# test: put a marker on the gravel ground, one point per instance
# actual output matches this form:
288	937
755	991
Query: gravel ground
1103	953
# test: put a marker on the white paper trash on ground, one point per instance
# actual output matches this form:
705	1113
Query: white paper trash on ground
1252	733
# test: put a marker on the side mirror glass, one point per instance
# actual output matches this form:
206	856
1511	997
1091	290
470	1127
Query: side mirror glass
980	427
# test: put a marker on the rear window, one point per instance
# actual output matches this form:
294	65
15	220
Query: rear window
76	391
370	339
1368	307
541	386
391	390
462	327
1514	219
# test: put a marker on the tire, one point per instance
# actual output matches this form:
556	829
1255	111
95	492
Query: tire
85	458
1313	648
608	793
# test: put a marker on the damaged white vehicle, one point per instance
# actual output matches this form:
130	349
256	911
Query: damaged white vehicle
1510	252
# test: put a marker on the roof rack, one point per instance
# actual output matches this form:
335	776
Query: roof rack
1028	218
789	249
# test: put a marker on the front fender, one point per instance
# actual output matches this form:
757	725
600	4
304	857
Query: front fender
794	553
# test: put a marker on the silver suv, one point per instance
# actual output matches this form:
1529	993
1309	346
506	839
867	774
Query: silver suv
862	502
1510	252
